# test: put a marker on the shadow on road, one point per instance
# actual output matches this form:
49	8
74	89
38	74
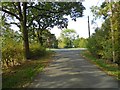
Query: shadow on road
70	70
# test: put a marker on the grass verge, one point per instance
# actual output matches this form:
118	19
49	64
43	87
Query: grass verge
21	76
108	67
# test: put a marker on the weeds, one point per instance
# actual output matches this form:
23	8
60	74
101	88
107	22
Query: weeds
109	67
22	75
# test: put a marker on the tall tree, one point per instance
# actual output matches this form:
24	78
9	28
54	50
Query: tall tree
28	12
18	11
111	11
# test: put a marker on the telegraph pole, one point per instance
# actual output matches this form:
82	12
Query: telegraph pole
88	27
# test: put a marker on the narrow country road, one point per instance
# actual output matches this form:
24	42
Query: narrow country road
70	70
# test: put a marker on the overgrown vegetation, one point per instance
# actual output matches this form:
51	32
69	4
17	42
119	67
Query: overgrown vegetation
22	75
109	67
37	51
12	50
105	42
103	45
17	72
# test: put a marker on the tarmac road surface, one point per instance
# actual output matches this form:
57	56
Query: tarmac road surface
70	70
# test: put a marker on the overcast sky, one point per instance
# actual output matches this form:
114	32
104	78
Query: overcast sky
81	25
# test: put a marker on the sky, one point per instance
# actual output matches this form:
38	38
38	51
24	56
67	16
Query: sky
81	25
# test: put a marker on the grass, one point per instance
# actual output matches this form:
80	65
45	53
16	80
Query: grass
21	76
109	67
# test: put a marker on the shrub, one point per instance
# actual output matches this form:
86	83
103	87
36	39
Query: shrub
37	51
12	53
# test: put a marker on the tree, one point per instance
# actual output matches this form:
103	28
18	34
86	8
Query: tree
54	18
20	14
26	13
52	42
95	43
110	11
67	37
116	30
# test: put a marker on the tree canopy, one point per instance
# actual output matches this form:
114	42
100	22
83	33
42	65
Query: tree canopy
40	14
105	41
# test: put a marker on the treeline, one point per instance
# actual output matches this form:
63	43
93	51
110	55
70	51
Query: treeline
105	42
34	20
70	39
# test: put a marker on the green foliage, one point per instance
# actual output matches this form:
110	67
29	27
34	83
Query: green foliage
105	42
61	44
80	43
107	50
50	41
69	33
76	42
21	76
55	44
12	51
37	51
101	11
83	43
116	30
99	44
12	54
107	66
67	37
42	15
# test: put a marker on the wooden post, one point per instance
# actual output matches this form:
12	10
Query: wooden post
88	27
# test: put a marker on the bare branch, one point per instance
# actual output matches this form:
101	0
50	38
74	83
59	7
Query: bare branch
15	24
14	6
19	10
37	17
10	13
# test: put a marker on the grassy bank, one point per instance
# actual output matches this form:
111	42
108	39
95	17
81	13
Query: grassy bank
107	66
21	76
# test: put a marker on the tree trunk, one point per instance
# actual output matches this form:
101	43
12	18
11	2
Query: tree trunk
39	35
25	32
40	38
